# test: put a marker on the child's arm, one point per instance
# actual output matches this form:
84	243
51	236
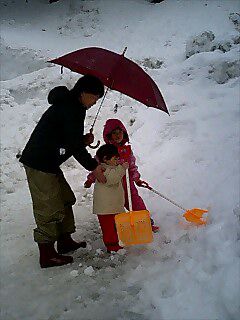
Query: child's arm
134	173
114	175
133	169
91	178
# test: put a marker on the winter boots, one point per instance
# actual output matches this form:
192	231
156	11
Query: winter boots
50	258
114	248
66	244
155	228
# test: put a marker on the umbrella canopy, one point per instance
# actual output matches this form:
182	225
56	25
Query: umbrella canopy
116	72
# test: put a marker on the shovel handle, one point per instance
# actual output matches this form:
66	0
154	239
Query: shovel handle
129	190
146	185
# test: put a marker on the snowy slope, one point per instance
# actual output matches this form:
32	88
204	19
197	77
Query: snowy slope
192	157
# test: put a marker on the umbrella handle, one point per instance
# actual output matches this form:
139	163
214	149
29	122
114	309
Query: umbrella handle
98	143
96	146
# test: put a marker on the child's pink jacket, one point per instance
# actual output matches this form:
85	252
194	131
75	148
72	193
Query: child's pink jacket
134	175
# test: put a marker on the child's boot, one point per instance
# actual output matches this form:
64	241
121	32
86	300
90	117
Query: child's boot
114	248
66	244
154	228
50	258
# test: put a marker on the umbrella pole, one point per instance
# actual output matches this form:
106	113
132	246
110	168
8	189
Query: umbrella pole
91	130
99	109
125	49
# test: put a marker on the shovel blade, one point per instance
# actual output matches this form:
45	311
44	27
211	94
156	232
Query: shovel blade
195	215
134	227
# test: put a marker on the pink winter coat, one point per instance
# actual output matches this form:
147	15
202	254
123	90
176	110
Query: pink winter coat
134	175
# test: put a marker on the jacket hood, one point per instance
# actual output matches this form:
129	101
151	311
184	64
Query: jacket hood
112	124
59	94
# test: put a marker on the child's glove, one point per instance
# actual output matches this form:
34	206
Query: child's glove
141	183
87	184
125	165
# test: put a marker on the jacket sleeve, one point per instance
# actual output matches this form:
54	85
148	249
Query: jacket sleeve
85	159
114	175
73	127
91	177
133	169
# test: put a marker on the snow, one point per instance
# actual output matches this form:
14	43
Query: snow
89	271
192	157
74	273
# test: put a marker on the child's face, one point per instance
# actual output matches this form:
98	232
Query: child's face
88	99
117	135
114	161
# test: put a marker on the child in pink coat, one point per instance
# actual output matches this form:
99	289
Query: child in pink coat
115	133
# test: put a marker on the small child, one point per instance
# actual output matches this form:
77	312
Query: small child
108	198
115	133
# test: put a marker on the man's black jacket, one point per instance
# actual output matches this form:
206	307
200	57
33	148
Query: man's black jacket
58	135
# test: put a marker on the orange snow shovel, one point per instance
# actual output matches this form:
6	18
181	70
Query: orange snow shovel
194	215
133	227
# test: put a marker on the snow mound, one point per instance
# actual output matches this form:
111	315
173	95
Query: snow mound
206	42
222	71
79	20
19	61
235	18
152	63
200	43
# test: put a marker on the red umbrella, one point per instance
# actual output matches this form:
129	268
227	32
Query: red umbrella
116	72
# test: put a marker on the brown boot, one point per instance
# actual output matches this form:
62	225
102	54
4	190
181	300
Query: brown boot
50	258
66	244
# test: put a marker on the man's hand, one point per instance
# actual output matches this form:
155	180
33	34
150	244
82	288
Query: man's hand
88	138
98	172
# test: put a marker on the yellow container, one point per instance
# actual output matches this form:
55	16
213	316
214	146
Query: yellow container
134	227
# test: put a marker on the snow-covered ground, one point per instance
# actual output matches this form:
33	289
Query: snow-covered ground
192	157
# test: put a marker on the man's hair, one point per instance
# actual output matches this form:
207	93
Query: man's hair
106	152
88	84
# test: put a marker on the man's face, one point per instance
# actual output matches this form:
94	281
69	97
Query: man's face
88	99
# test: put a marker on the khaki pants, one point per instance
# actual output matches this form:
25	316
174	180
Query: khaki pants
52	200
